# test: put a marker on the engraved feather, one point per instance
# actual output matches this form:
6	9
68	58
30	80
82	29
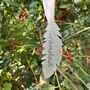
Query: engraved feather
52	43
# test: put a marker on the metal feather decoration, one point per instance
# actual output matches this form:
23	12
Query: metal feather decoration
52	43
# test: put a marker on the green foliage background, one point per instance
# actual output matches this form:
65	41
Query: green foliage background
21	43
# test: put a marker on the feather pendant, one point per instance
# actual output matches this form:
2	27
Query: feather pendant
52	43
52	48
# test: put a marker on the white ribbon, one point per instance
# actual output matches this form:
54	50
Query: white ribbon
52	43
49	6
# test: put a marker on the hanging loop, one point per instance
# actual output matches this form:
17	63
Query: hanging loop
49	9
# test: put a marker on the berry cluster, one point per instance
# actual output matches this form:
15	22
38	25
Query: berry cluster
14	44
23	15
68	55
64	15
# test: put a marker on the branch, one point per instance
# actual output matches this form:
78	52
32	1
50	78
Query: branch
82	56
71	83
31	70
73	35
69	23
77	75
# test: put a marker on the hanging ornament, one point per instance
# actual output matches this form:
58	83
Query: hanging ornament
52	41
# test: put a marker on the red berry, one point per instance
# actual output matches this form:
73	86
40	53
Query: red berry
71	59
22	19
14	42
61	88
19	15
23	15
68	57
65	15
64	52
70	54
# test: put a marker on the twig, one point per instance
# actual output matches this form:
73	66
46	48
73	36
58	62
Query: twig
81	69
80	79
40	36
69	23
82	56
73	35
57	79
77	75
72	84
32	70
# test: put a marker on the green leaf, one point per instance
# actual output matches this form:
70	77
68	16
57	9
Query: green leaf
12	3
47	87
65	84
7	86
66	6
0	88
0	72
34	4
80	87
